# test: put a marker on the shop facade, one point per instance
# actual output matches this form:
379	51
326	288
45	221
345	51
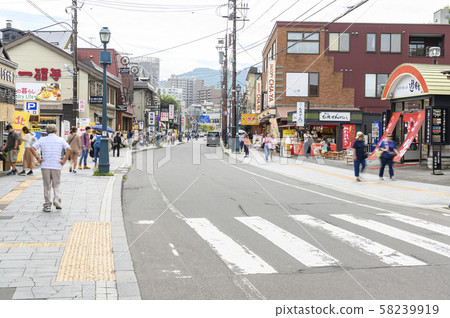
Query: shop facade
419	114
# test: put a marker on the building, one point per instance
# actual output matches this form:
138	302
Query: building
144	99
44	74
124	94
209	94
189	87
252	96
7	89
340	71
149	67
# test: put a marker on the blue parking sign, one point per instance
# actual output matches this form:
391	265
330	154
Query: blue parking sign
32	107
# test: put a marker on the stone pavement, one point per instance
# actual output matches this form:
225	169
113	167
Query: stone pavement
414	188
78	252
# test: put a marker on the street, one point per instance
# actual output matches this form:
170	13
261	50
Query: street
218	230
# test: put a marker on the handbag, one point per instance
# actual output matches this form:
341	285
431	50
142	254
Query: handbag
391	154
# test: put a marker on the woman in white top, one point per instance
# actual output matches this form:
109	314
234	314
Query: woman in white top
28	159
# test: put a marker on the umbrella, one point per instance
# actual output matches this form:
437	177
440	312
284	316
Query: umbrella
99	127
241	131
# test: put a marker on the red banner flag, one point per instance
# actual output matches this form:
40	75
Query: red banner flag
412	134
390	128
348	135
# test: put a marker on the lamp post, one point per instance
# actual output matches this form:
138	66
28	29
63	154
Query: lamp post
238	90
105	60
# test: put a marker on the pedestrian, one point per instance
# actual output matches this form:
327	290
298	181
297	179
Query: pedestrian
85	147
267	141
359	154
387	156
273	146
246	142
28	160
96	146
241	141
307	138
12	148
130	135
74	142
117	142
52	147
174	137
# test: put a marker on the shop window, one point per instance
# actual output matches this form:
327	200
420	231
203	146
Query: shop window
302	84
391	43
303	43
371	42
339	42
375	84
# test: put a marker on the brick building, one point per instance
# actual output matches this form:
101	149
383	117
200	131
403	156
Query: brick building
340	71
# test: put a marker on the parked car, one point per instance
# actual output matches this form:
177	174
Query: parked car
213	139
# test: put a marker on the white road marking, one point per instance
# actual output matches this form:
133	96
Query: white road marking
144	222
438	228
239	259
385	254
301	250
417	240
174	251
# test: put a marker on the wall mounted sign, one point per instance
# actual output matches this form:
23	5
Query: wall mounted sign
42	74
38	91
334	116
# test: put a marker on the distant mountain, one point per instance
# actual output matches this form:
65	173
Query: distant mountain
212	77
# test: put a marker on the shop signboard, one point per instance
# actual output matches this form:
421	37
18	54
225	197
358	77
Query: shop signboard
407	86
97	100
65	128
437	164
164	116
389	128
82	123
171	111
376	134
428	125
141	125
289	132
348	136
271	71
411	136
249	119
439	126
334	116
81	105
258	96
300	114
151	118
38	91
385	117
274	125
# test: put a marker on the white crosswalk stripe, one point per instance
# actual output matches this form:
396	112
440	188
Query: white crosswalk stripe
291	244
239	259
438	228
417	240
384	253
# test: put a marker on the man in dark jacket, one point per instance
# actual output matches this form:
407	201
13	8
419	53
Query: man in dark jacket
117	141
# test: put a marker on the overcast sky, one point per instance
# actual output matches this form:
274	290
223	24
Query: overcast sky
161	24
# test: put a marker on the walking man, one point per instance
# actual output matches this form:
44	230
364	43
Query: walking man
85	147
12	148
51	164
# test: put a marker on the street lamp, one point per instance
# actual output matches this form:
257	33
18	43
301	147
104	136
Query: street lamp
238	90
434	52
105	60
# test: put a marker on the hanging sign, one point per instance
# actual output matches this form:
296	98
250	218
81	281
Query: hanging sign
164	116
258	95
81	106
249	119
171	111
151	118
271	71
300	114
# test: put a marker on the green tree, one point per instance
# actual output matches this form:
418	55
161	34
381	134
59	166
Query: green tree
167	100
206	128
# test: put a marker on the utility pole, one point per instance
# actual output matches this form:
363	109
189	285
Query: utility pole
225	94
233	79
75	60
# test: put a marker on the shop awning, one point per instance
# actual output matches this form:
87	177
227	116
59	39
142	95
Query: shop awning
409	80
266	114
282	112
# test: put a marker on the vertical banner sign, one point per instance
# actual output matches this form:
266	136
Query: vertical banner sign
428	125
274	125
81	106
385	115
164	116
376	134
437	165
438	123
271	83
389	128
300	114
410	120
151	118
20	120
348	136
411	136
258	96
171	111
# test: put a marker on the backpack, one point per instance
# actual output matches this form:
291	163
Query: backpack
97	141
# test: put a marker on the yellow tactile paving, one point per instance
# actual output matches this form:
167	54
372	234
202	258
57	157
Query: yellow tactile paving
34	244
88	253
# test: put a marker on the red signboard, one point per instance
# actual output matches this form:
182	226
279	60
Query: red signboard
390	128
348	136
412	134
42	74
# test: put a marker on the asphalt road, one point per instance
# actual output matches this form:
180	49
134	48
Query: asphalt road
216	230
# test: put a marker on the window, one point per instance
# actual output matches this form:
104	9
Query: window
302	84
303	43
417	47
274	49
339	42
371	42
375	85
391	43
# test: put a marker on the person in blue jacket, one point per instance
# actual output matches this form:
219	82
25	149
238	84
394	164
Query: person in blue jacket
387	157
97	138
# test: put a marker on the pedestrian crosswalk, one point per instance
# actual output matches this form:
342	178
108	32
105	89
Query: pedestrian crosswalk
319	249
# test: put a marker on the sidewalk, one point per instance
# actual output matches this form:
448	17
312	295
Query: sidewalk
78	252
406	190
